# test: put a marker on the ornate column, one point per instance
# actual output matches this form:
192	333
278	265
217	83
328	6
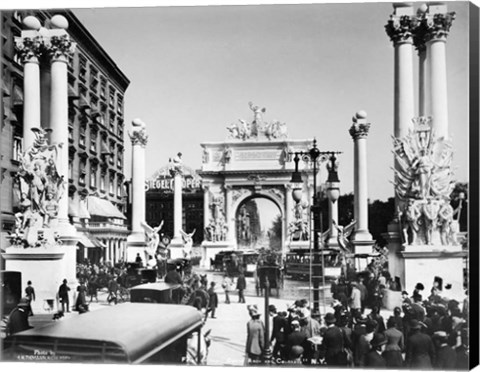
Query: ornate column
136	240
206	205
59	48
229	213
177	244
399	29
289	205
437	23
333	193
359	132
29	47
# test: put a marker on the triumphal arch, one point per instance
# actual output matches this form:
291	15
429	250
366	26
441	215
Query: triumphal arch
255	161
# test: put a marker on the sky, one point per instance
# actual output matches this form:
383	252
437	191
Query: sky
194	69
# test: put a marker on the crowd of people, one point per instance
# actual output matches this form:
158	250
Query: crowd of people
422	333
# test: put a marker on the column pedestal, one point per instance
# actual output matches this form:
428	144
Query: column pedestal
34	264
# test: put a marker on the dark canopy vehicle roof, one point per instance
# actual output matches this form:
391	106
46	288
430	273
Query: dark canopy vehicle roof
131	331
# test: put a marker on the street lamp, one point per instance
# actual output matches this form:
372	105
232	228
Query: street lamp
312	155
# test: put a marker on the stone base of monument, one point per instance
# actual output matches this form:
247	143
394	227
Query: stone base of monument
298	244
362	250
177	248
422	263
46	267
134	248
210	249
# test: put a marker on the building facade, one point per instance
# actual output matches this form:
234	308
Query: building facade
96	90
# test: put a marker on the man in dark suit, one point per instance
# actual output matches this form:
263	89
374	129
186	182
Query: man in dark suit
333	343
278	332
446	357
420	350
374	357
295	338
241	285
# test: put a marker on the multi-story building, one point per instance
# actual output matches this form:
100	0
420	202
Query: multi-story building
96	90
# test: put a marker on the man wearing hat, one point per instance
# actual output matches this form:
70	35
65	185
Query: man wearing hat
333	342
374	357
420	350
355	300
295	341
362	345
446	357
63	296
18	318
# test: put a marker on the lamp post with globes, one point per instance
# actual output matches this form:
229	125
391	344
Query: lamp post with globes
314	156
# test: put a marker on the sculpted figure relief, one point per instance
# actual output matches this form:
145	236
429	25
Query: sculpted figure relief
257	127
423	183
39	188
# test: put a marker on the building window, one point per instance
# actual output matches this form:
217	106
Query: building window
112	123
93	101
94	79
93	176
83	171
82	69
112	152
102	181
119	157
111	97
111	184
17	148
83	91
93	141
119	104
82	137
120	127
70	133
119	189
103	88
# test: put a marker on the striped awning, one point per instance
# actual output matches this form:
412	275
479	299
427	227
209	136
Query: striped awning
102	207
89	241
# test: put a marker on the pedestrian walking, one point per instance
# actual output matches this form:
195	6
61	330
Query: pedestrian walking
81	303
63	296
446	357
420	350
355	300
241	286
374	358
30	295
92	289
212	301
333	343
227	287
255	336
112	290
18	318
278	334
395	345
295	342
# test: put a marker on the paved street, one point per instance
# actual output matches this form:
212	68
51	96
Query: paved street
228	330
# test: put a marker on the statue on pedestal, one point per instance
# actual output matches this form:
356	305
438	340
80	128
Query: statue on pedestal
188	243
424	182
176	165
153	237
40	188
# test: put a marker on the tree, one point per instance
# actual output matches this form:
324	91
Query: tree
275	234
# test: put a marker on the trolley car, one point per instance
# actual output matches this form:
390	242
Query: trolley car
297	264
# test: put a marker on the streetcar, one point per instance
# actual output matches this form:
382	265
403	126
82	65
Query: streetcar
234	262
297	264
